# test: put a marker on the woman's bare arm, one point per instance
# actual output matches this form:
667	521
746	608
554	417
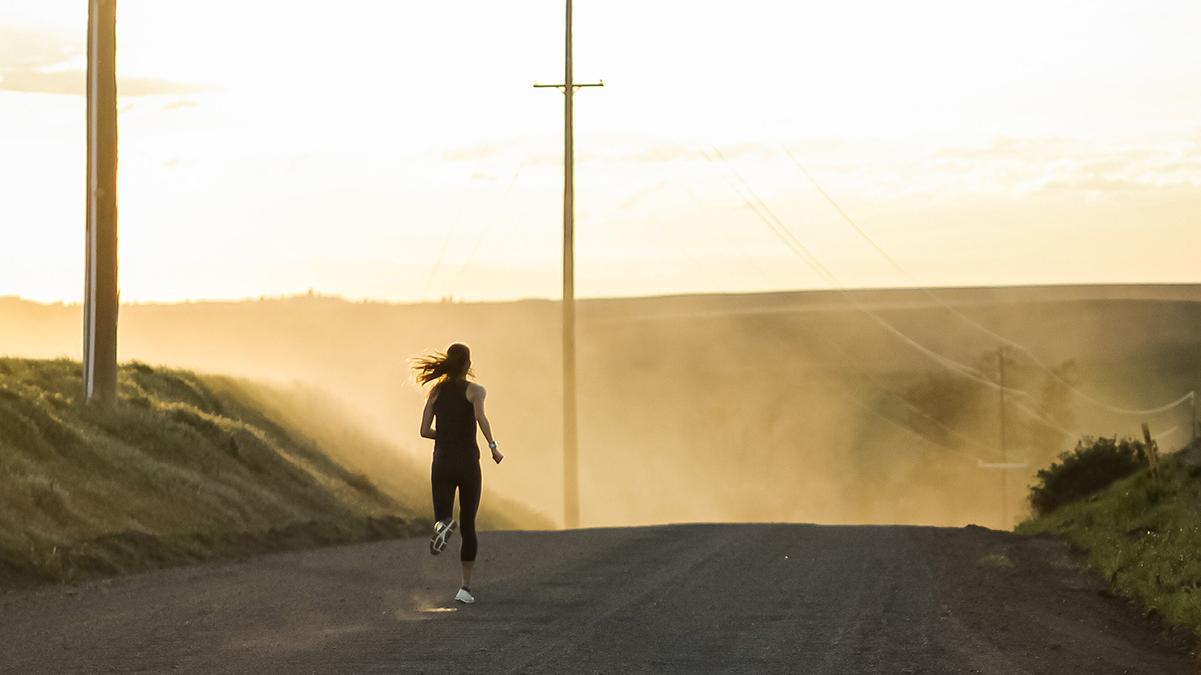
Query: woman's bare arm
477	400
427	417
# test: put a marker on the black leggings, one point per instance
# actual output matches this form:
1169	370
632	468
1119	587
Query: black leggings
447	474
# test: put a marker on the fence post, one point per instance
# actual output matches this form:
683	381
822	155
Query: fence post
1152	453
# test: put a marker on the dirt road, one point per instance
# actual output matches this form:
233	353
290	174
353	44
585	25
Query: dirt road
694	598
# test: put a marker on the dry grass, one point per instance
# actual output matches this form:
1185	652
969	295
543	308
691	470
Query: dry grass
1143	537
175	472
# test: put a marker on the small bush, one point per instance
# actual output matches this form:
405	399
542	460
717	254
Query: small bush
1092	466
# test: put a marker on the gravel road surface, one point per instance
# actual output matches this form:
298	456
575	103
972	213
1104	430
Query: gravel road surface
683	599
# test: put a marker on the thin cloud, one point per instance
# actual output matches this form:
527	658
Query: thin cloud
33	48
74	83
181	104
681	153
1100	184
476	152
1007	148
41	62
1187	167
664	153
1109	185
1059	165
640	195
678	153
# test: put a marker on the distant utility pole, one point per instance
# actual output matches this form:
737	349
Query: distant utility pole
1196	426
100	288
1004	452
1004	465
571	471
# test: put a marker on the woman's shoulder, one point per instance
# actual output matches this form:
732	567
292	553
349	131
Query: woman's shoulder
475	388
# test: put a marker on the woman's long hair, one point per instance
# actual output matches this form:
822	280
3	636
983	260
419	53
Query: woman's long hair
455	364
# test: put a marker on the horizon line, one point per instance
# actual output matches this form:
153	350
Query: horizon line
313	294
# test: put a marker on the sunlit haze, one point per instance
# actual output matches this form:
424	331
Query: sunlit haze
396	150
881	353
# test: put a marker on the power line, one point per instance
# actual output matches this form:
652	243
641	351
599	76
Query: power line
1004	340
907	429
483	231
885	389
849	360
882	388
760	208
454	224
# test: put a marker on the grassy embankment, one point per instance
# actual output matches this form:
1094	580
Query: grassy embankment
1145	539
184	468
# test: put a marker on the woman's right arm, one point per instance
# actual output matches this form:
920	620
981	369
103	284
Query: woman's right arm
485	426
427	418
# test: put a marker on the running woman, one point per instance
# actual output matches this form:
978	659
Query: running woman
456	406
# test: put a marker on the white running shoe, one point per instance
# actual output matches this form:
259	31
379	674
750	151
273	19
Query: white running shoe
442	531
464	596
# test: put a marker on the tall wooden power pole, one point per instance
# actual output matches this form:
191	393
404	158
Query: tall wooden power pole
571	470
100	289
1004	450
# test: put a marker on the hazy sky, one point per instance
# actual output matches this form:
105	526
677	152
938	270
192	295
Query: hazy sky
396	150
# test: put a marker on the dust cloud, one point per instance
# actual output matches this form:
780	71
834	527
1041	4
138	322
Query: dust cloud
789	407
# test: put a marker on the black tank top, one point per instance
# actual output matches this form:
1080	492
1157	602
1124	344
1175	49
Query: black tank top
454	418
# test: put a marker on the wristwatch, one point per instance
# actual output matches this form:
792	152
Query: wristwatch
491	445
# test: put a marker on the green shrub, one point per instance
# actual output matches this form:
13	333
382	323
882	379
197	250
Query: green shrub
1092	466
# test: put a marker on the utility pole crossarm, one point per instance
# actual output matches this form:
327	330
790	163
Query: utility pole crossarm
981	464
574	85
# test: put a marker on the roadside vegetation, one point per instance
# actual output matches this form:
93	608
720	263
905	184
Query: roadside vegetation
1141	533
184	468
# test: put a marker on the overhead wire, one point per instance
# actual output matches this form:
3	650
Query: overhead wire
450	229
768	216
849	360
907	429
884	389
487	224
445	246
1190	396
881	387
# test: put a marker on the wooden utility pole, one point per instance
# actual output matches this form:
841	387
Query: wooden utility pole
1196	426
100	302
571	471
1152	452
1004	452
1004	465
